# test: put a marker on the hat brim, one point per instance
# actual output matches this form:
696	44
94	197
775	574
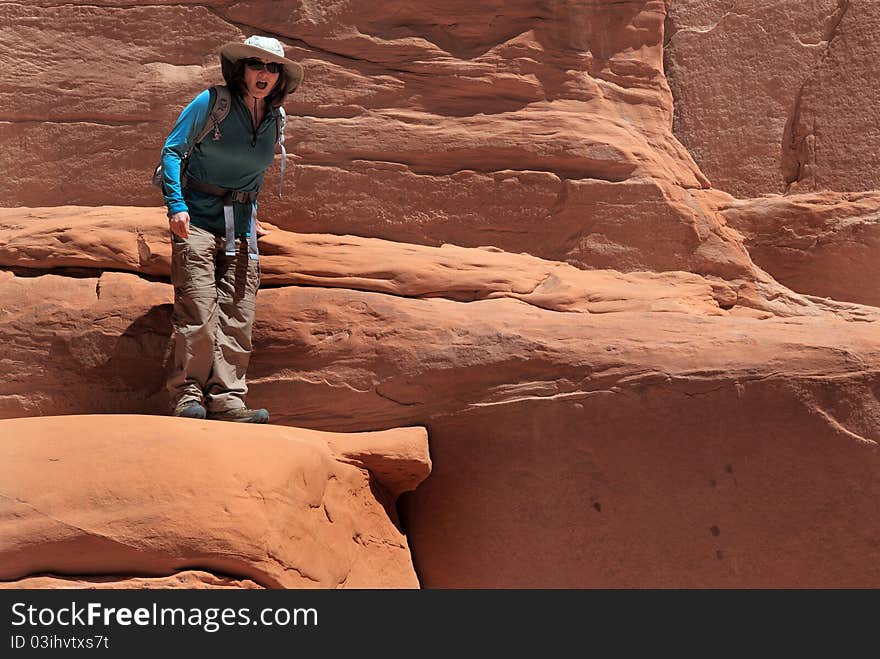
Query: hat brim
236	50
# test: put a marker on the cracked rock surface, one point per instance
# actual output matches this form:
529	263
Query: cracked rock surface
779	95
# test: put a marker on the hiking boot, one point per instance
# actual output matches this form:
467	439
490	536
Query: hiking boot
241	415
190	409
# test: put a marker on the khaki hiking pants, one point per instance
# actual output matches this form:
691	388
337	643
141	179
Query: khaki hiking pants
214	297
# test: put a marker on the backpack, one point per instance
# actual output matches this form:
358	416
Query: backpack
218	110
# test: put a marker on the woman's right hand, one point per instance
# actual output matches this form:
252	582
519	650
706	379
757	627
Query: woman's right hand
179	223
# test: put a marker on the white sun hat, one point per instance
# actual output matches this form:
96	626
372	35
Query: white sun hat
266	48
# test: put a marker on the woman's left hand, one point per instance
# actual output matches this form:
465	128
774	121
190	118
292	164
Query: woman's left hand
261	230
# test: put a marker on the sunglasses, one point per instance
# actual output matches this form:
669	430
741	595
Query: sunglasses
257	65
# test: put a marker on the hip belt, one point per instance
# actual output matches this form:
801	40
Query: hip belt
230	197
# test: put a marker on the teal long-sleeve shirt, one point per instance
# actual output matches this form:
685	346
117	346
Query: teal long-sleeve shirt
237	161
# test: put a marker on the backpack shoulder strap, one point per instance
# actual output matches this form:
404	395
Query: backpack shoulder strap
223	103
279	125
218	110
280	121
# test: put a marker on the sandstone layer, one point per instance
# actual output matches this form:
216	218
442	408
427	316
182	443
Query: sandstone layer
187	579
824	244
193	503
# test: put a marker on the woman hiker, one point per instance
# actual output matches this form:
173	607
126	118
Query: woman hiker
211	195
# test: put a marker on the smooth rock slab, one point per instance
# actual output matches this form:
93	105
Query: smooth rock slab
154	496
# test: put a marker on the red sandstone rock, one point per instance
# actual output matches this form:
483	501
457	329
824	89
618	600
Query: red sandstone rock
392	456
185	579
672	417
765	92
111	495
823	244
114	238
408	120
536	418
75	120
835	135
119	238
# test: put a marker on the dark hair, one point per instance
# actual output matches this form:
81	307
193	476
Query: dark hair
233	74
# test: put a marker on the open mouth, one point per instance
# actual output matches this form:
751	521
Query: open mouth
262	85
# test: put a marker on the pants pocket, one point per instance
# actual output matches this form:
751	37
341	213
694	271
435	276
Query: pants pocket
179	250
194	262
